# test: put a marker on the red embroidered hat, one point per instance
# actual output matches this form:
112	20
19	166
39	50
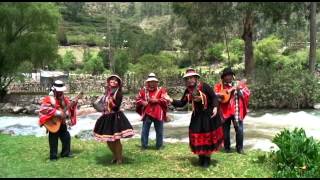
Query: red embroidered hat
191	72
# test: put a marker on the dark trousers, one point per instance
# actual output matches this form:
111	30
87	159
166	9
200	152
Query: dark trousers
158	126
239	134
65	138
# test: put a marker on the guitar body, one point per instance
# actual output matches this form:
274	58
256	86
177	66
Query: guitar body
226	95
53	125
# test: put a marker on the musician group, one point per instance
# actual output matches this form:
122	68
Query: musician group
214	109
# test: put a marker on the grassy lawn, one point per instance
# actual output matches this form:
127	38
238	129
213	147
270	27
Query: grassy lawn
27	156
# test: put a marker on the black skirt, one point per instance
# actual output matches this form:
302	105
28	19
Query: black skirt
205	133
112	126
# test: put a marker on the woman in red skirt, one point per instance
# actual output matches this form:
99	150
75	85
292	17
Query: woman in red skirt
205	129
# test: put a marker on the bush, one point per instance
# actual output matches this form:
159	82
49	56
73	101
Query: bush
267	52
93	63
68	61
121	59
214	53
162	65
184	61
298	155
287	88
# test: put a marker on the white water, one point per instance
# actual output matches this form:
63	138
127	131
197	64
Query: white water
258	130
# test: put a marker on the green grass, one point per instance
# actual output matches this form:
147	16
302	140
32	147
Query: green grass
27	156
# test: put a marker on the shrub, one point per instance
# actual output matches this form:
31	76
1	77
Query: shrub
298	155
214	53
93	63
287	88
267	52
162	65
121	59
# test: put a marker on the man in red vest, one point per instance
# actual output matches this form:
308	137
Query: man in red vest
152	106
58	106
234	109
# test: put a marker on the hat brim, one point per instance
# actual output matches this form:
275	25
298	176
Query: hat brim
191	74
116	76
60	89
228	73
152	79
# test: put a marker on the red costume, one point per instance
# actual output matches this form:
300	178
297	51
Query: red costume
50	105
156	110
228	109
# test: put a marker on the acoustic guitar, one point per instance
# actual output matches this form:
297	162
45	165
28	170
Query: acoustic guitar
226	94
54	124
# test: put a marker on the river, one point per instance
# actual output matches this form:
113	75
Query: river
259	127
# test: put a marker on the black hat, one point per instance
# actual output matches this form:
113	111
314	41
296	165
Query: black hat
227	71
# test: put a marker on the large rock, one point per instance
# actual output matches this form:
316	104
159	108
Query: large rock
316	106
7	107
31	109
17	109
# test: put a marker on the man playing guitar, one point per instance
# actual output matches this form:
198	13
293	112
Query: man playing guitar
234	98
56	113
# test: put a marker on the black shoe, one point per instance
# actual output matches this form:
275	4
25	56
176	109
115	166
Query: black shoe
206	162
53	159
227	150
201	160
143	148
67	156
240	151
159	148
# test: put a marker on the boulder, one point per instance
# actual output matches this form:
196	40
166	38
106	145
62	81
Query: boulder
316	106
7	107
17	109
31	109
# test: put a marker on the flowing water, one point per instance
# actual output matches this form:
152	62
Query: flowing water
259	127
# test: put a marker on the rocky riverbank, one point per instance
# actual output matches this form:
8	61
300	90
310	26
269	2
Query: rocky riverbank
30	104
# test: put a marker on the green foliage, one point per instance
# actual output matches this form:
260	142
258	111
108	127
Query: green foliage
162	65
27	34
236	48
68	61
267	51
298	155
121	58
93	63
286	88
214	52
62	37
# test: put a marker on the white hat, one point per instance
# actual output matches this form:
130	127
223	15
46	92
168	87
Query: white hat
116	76
58	85
191	72
152	77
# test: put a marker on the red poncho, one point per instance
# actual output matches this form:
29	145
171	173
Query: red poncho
228	109
156	110
50	105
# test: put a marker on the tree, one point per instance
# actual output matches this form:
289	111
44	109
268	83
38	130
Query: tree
61	36
251	13
93	63
313	37
73	9
26	34
122	62
204	24
131	10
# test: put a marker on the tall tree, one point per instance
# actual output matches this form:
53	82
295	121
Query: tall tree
253	12
26	34
313	36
